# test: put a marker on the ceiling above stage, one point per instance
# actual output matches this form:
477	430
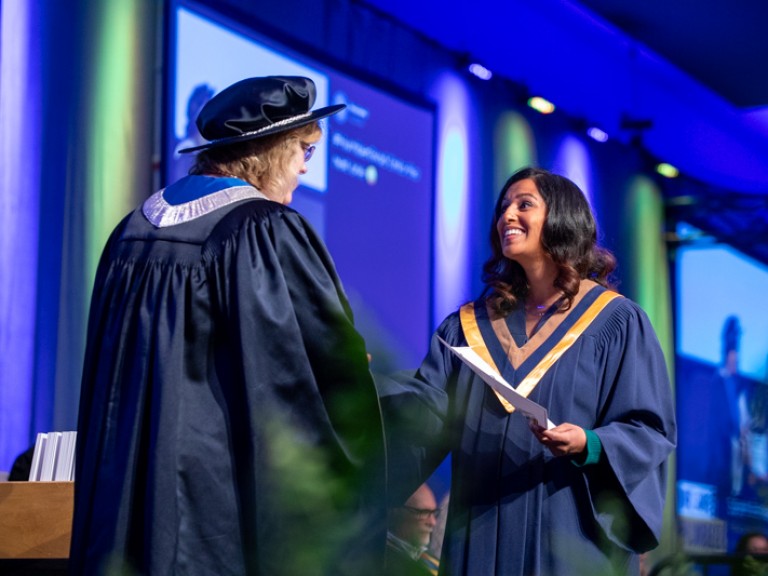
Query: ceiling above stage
721	43
694	72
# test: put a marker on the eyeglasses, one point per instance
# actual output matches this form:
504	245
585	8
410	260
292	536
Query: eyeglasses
422	513
308	151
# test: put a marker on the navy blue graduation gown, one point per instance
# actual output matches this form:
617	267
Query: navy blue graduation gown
228	422
517	510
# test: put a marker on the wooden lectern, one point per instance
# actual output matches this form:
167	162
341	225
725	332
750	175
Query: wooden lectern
35	526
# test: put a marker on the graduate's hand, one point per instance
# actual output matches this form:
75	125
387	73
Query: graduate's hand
565	439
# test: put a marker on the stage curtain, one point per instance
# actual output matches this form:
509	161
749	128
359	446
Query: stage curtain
78	102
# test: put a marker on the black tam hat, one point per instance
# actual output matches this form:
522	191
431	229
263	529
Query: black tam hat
257	107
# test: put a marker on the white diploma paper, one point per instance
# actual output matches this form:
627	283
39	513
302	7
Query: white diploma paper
527	407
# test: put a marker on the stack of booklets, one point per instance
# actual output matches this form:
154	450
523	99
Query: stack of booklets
54	457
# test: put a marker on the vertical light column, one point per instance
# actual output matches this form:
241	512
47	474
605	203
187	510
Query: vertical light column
19	213
110	166
644	218
572	161
115	115
451	284
514	147
648	262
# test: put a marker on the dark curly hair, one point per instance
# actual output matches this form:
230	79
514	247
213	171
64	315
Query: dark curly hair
569	237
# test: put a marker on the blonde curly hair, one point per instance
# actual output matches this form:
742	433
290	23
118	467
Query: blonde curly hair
262	162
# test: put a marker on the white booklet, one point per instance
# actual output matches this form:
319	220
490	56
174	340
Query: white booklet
54	457
528	408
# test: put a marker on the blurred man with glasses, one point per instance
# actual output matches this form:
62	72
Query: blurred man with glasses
410	530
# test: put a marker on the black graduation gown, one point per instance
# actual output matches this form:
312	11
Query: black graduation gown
228	421
515	509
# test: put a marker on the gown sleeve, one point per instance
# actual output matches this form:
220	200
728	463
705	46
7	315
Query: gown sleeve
293	316
307	412
417	417
90	412
636	426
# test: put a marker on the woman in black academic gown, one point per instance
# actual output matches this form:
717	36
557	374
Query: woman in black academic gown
228	420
